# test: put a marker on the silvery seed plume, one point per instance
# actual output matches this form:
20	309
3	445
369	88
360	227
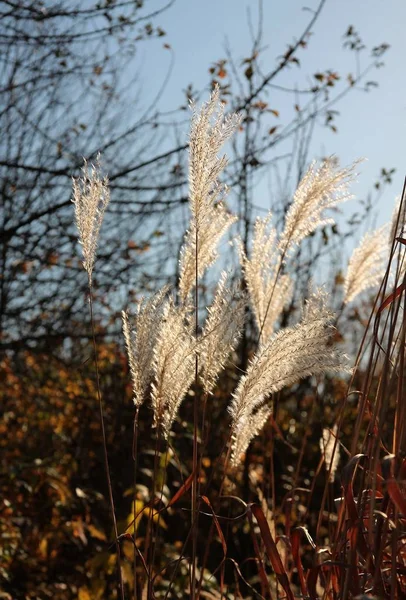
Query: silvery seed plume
290	355
269	293
367	264
173	365
211	231
90	196
221	332
140	334
327	443
321	188
210	219
249	425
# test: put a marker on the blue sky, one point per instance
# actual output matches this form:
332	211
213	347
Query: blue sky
371	125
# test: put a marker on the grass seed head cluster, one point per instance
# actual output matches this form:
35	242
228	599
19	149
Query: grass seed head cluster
168	348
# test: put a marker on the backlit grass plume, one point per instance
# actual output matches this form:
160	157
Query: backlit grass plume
221	332
327	443
290	355
140	334
269	293
173	365
210	219
321	188
90	196
367	264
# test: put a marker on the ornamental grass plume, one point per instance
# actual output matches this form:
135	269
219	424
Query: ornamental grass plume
209	216
321	188
327	443
290	355
162	344
367	264
221	332
161	348
173	365
140	334
269	293
91	196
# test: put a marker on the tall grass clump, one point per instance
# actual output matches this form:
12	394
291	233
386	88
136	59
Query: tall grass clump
181	353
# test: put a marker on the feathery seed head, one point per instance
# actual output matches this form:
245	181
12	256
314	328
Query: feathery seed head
90	196
221	332
321	188
210	129
173	365
367	264
140	334
290	355
268	291
217	222
327	443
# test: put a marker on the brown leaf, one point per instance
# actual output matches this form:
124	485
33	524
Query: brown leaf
249	72
272	550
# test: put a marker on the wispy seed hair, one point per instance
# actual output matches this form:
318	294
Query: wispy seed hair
217	222
269	292
322	187
90	196
221	332
327	443
140	334
173	365
290	355
366	267
210	219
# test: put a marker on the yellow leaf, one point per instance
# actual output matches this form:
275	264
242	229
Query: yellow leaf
128	574
98	589
128	550
43	547
111	564
96	533
139	505
156	517
84	593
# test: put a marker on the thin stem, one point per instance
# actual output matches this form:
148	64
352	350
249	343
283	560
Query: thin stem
195	428
105	454
134	452
149	538
159	512
282	258
211	531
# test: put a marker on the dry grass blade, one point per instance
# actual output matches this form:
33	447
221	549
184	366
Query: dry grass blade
271	550
295	543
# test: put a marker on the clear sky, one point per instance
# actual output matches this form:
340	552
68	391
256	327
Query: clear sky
371	125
